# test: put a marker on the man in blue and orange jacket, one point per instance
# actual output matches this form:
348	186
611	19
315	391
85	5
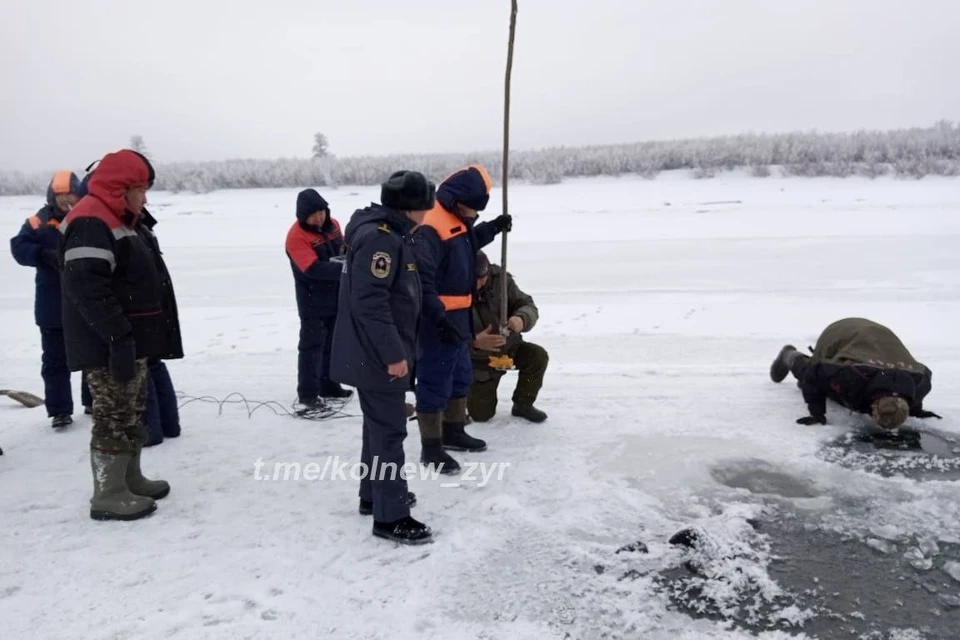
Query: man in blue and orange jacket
446	246
37	245
315	248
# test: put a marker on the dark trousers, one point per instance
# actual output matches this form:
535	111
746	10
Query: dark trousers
161	415
443	372
85	396
118	410
799	366
57	393
531	361
313	357
384	430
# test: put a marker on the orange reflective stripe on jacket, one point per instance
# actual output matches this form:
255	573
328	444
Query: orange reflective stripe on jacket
452	303
444	223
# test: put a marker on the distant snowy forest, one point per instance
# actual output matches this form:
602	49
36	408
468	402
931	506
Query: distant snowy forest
911	153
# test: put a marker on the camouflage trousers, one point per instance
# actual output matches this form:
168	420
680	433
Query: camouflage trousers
117	410
531	362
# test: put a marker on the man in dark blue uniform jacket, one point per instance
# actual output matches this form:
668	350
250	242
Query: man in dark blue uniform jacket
37	245
375	344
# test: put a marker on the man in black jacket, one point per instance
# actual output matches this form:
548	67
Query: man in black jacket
118	312
315	248
863	366
375	344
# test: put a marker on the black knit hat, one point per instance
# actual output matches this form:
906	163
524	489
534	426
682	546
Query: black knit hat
408	191
309	201
481	265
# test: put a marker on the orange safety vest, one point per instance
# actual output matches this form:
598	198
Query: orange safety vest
448	226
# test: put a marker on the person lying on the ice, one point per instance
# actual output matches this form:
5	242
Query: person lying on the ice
863	366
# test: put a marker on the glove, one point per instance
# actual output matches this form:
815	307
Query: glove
448	331
809	420
123	360
503	222
923	413
51	258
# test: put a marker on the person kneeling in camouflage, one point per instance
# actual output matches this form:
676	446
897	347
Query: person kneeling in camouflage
118	312
530	359
863	366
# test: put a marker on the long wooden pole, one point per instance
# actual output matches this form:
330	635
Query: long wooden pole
506	166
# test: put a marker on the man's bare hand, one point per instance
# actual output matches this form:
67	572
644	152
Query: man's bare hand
515	324
397	369
487	340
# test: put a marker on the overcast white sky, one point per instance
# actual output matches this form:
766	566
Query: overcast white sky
211	79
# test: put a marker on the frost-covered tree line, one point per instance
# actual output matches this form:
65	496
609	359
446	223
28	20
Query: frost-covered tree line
912	153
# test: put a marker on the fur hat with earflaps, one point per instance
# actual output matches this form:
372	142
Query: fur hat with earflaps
408	191
890	411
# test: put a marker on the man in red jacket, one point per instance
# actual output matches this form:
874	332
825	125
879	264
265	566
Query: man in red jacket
117	314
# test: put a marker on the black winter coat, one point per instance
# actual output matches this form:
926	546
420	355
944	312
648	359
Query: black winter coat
115	283
380	302
315	260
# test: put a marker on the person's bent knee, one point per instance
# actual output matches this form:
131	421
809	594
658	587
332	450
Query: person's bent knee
481	412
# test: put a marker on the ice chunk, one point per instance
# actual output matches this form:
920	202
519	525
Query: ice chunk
881	545
887	532
917	560
929	547
952	569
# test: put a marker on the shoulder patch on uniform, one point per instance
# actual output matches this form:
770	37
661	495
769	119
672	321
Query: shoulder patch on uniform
384	227
411	266
380	264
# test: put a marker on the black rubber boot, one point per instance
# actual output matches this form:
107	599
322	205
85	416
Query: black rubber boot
433	455
781	365
405	531
528	412
454	436
456	439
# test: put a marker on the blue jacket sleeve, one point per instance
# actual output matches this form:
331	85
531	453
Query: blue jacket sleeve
484	232
26	246
370	301
427	248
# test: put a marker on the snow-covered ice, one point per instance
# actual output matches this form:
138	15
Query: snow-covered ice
662	303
